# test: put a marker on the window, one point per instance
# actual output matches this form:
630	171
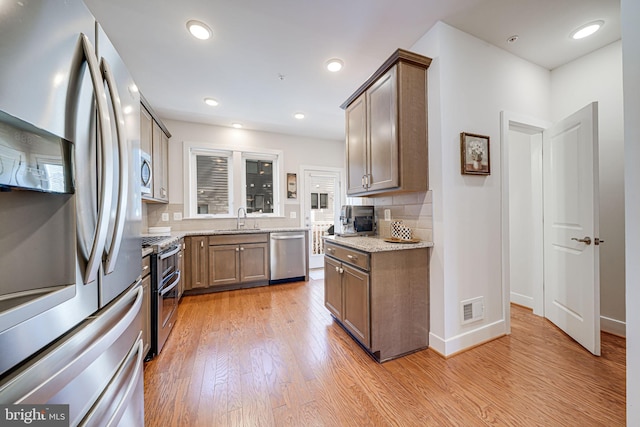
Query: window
219	177
259	182
212	184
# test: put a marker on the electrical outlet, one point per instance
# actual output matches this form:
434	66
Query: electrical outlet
177	216
293	215
165	216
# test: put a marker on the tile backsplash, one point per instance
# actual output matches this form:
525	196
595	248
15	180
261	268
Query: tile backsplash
153	218
414	209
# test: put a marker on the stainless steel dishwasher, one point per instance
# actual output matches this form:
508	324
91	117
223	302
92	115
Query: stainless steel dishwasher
288	256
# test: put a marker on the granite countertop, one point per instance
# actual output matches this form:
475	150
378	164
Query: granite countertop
375	243
175	235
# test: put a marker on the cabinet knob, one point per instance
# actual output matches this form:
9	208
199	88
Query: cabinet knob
352	257
341	271
337	269
241	248
202	243
237	249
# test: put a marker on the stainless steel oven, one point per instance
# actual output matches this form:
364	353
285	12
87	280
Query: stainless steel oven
165	277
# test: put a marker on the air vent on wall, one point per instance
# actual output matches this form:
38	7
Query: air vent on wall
472	310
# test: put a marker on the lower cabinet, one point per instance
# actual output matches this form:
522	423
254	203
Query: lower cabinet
238	259
380	298
197	260
347	296
225	261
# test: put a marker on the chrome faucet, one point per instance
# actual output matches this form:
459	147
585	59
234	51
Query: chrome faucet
238	223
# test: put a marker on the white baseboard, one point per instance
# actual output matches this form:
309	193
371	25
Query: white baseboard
468	339
523	300
613	326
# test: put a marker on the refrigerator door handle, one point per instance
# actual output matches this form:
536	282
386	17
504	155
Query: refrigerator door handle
123	186
106	174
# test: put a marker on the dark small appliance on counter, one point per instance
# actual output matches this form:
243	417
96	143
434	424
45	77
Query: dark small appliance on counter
357	221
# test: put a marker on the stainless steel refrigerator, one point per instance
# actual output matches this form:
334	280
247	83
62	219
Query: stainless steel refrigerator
70	294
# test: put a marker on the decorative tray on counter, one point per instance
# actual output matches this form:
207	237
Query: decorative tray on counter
396	240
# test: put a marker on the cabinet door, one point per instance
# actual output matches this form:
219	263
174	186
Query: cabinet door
254	262
146	314
356	151
197	260
356	317
382	114
224	265
159	163
333	287
146	124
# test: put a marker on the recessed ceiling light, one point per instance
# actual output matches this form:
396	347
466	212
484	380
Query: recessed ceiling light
586	30
514	38
334	65
199	30
211	102
237	125
299	116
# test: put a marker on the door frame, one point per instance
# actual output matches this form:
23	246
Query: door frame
339	197
508	119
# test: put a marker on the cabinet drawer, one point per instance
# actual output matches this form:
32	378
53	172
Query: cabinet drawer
146	266
237	239
348	255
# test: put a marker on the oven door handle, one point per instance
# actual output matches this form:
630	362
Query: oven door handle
165	255
171	286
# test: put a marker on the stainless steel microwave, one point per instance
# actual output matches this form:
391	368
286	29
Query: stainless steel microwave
146	173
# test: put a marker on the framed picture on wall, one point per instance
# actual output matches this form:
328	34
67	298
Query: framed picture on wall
474	154
292	186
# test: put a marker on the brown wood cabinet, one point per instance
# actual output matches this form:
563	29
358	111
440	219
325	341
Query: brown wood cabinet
386	129
196	260
238	259
380	298
226	261
154	140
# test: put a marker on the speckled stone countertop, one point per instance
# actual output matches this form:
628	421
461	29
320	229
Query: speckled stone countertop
375	244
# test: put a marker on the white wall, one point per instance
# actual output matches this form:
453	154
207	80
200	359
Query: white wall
475	82
598	77
631	70
296	151
525	215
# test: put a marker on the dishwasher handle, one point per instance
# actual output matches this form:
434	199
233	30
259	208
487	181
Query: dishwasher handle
287	237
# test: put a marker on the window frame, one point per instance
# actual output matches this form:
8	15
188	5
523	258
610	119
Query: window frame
236	180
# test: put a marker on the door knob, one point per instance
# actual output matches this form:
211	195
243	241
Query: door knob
586	240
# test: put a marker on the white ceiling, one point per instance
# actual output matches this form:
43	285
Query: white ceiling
266	59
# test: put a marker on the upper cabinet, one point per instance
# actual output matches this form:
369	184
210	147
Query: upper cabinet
386	129
154	140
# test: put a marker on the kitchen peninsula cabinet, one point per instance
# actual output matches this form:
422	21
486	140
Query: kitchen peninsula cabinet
154	140
386	129
381	297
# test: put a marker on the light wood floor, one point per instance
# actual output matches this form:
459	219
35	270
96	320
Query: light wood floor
273	356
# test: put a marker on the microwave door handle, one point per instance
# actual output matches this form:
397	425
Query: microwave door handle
106	174
123	183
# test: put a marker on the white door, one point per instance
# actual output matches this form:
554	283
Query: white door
322	203
571	252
